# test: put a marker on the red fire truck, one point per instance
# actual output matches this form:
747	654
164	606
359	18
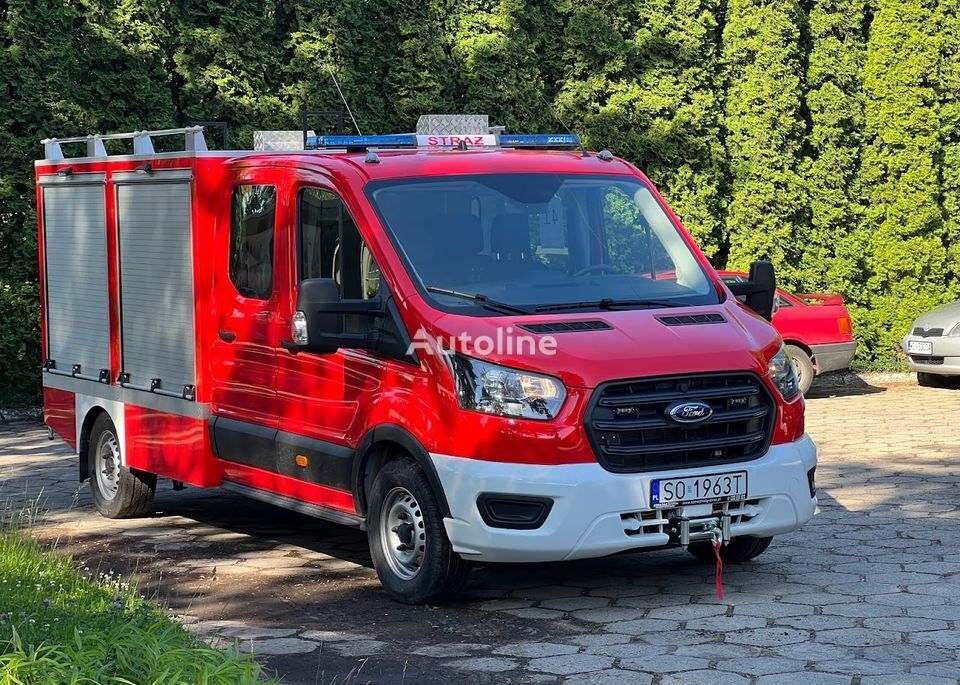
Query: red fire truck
476	346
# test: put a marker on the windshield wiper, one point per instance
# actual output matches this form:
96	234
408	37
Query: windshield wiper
482	300
608	303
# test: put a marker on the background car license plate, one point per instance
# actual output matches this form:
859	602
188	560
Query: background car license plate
920	347
715	487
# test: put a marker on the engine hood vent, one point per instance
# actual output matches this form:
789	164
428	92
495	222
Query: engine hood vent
691	319
566	326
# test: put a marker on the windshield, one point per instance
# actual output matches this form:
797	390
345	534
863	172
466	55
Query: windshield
540	242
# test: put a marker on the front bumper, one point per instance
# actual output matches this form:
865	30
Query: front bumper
593	509
945	359
833	356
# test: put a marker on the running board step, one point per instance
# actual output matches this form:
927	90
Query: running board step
315	510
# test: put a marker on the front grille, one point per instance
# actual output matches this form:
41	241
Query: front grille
630	430
929	361
928	332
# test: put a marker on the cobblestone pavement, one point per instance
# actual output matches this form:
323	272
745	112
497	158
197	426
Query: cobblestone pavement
868	593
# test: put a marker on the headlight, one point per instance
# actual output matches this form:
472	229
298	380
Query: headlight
494	389
782	374
955	331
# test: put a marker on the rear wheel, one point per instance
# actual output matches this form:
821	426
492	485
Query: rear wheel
802	366
118	492
737	551
411	553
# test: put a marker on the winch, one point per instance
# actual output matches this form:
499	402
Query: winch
683	529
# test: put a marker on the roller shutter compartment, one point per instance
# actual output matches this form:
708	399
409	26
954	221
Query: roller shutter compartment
156	283
77	300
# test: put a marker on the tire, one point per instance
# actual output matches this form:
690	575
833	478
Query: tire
427	571
118	492
933	380
803	367
737	551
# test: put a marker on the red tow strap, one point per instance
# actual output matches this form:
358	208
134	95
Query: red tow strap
717	544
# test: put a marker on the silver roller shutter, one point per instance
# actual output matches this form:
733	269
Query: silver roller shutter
77	307
156	283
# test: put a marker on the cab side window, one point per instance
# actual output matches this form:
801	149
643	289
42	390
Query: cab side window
254	211
331	246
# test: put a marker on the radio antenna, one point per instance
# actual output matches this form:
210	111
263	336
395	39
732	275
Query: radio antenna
330	69
556	116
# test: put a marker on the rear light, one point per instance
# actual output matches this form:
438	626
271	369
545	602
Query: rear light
845	326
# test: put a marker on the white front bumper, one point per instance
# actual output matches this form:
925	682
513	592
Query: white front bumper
591	503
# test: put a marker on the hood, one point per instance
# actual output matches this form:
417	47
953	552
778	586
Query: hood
624	344
946	316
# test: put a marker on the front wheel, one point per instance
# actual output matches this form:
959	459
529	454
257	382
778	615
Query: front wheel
932	380
737	551
118	492
411	553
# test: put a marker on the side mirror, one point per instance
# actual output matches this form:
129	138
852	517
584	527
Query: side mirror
760	291
318	323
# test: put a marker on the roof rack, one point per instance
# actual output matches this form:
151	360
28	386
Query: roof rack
545	141
193	141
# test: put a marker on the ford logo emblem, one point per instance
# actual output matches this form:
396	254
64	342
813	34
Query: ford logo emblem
689	412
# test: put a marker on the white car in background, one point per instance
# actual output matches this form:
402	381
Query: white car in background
933	346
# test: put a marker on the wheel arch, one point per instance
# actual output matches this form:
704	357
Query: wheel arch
384	443
803	346
83	444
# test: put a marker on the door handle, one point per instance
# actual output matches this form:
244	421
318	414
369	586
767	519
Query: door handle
228	336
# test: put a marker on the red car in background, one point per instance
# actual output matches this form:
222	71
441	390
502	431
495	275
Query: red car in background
817	331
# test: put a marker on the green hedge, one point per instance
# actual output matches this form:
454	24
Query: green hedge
823	134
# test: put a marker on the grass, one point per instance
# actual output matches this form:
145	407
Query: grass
60	627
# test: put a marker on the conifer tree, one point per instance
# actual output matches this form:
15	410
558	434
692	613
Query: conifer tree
644	80
834	143
903	217
764	133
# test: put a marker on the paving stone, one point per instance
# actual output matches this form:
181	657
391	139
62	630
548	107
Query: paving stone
333	636
504	604
913	679
688	612
719	651
280	645
723	624
665	664
531	650
859	667
805	678
760	665
570	664
904	599
949	639
607	615
909	654
597	640
861	610
772	609
642	626
535	612
768	637
253	632
630	650
943	669
358	647
450	650
575	603
704	678
819	622
610	676
485	664
905	624
857	637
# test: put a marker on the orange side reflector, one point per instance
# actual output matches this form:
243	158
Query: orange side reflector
844	325
301	460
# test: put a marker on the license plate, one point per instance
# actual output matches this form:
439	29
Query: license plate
919	347
715	487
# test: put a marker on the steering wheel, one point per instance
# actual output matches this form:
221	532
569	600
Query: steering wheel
595	267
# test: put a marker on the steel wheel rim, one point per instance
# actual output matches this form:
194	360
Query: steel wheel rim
403	533
107	465
797	370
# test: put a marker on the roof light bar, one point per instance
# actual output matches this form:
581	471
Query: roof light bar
390	140
409	140
550	140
